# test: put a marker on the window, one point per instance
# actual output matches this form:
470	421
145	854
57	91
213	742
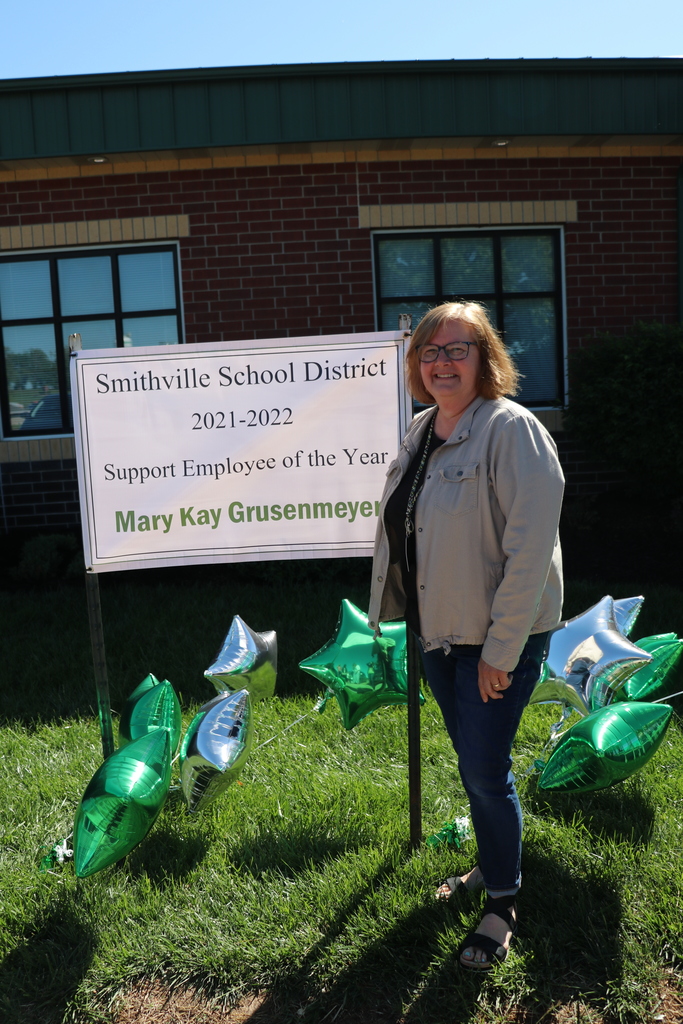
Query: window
113	298
515	274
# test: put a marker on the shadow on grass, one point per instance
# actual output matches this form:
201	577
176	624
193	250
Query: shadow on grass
166	857
570	932
373	986
172	622
567	947
168	622
289	853
39	979
620	812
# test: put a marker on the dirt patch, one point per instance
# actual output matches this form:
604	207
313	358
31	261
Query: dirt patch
670	1007
668	1010
155	1004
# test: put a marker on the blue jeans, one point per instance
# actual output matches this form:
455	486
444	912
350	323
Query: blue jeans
482	734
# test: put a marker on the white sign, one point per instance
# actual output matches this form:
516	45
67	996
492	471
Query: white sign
227	452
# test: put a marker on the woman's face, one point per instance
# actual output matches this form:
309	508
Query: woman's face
453	383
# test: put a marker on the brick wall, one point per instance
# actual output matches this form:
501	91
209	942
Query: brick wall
277	250
583	476
620	256
39	495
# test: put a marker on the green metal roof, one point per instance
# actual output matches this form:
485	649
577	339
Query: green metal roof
216	107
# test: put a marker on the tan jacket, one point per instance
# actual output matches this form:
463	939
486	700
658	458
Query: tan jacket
488	552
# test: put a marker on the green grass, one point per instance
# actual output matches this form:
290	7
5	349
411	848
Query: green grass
300	879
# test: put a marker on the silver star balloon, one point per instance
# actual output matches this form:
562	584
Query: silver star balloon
588	660
626	611
215	748
247	661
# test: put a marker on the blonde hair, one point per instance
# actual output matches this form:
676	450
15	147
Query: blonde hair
499	375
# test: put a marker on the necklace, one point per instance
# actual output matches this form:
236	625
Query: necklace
417	485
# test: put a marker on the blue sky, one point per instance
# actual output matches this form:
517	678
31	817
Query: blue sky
49	37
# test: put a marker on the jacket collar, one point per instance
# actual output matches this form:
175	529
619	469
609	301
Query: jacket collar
462	427
464	424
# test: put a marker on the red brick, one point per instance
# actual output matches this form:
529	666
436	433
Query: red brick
287	235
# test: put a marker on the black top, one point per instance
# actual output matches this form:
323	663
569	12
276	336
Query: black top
402	548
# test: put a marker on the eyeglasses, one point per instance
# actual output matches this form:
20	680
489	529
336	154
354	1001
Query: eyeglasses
456	351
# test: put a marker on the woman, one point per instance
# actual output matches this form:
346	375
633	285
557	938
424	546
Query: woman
467	550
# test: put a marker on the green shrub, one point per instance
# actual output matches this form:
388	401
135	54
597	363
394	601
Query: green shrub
626	405
48	557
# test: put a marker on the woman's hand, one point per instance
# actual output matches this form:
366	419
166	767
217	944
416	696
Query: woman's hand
492	681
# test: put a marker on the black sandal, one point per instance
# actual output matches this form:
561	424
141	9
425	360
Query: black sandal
457	884
502	907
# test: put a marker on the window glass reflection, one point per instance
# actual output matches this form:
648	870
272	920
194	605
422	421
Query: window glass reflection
150	330
85	285
147	281
25	292
94	333
391	310
31	364
467	266
528	264
531	337
406	266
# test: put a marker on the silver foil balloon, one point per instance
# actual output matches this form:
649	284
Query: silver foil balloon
247	661
215	748
626	611
588	660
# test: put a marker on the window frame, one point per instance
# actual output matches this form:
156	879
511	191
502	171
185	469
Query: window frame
58	319
498	297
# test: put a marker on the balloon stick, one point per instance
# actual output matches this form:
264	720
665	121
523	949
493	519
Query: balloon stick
670	696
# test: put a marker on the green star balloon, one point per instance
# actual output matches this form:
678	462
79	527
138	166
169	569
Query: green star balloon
657	678
122	802
606	747
364	673
151	705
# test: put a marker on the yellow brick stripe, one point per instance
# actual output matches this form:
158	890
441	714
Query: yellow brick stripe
89	232
419	215
39	449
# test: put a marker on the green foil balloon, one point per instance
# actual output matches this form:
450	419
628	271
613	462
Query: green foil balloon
152	705
122	802
657	679
364	673
656	640
606	747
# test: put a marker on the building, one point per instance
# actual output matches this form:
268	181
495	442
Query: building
245	203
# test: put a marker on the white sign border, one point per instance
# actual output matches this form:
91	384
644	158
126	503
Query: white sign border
321	549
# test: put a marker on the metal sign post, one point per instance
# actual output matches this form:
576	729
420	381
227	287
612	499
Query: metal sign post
99	659
92	591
